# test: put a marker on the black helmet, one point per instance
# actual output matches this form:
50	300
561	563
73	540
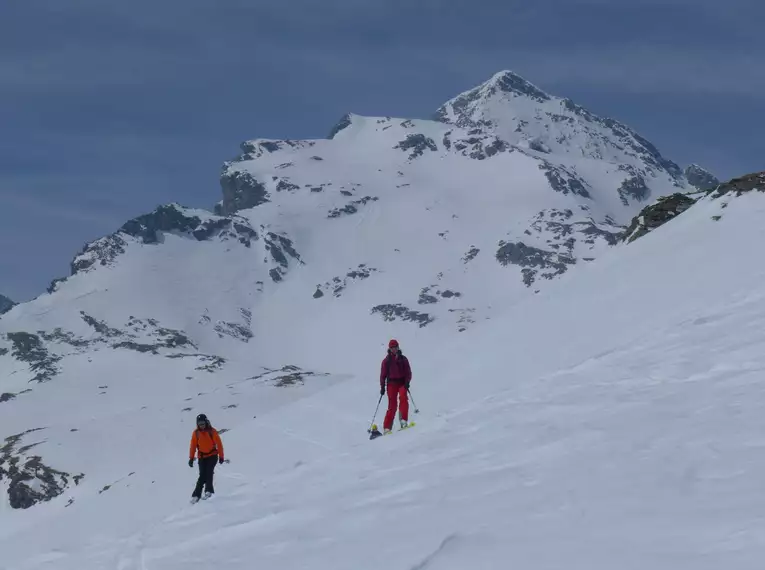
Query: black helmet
202	418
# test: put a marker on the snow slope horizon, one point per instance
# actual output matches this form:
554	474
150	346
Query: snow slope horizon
613	419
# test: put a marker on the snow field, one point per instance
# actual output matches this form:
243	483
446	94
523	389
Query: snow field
614	420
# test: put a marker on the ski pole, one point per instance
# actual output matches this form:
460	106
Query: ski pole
416	409
373	417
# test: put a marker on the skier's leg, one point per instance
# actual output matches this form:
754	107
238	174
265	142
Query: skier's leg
404	405
207	462
391	413
200	480
211	473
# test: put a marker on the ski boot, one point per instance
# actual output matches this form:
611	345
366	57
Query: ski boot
374	432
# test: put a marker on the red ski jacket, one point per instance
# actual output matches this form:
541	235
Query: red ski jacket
395	369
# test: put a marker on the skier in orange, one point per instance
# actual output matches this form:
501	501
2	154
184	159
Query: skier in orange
207	444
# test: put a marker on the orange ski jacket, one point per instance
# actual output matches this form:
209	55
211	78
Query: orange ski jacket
206	443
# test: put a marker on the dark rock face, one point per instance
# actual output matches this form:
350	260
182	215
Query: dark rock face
562	233
352	207
163	219
669	207
564	180
286	376
164	337
238	331
417	144
102	251
391	312
208	363
700	177
339	284
429	297
170	218
737	186
241	191
634	187
510	82
471	254
31	480
280	247
5	304
658	214
478	146
533	260
29	348
343	123
100	326
284	185
234	330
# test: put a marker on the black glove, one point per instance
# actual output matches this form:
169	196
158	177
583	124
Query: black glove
191	463
220	460
407	386
382	390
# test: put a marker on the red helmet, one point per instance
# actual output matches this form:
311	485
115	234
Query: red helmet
393	342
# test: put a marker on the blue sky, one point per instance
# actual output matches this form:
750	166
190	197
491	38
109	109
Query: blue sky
108	109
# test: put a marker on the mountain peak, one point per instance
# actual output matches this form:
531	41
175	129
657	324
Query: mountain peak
5	304
700	177
525	116
507	81
503	84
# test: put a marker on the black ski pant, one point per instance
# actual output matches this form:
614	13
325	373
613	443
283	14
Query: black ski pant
206	471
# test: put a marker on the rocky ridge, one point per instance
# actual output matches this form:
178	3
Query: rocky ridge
667	208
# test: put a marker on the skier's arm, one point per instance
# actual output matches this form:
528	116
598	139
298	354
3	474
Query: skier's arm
193	445
408	372
382	374
219	443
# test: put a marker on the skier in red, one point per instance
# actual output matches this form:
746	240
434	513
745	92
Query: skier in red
396	371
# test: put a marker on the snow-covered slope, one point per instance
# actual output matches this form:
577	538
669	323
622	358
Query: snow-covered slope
418	229
613	420
271	314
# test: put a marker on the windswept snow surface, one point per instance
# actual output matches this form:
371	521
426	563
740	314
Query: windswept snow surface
615	420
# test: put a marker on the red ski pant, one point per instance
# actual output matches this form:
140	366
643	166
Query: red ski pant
396	391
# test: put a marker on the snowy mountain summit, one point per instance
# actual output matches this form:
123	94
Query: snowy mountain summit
524	115
414	228
548	183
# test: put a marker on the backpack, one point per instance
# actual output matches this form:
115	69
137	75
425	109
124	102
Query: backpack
388	359
215	445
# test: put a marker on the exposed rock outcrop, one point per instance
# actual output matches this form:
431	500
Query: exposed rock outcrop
657	214
31	481
737	186
5	304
